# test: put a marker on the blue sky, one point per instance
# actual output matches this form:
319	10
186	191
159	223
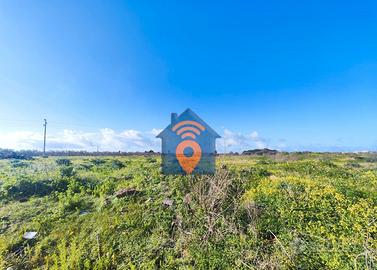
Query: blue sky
291	75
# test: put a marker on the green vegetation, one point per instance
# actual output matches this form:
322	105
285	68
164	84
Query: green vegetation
288	211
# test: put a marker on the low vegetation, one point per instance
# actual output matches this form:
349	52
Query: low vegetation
286	211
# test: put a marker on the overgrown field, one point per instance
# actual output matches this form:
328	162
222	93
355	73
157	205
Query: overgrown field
289	211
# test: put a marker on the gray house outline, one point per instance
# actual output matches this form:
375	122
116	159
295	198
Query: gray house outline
170	140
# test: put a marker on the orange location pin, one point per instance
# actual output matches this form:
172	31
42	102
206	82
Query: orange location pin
188	164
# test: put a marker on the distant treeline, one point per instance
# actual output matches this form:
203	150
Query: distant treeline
28	154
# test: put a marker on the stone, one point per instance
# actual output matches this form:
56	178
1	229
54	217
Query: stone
168	202
125	192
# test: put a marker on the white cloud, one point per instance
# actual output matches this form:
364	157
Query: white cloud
156	131
105	139
131	140
13	139
237	142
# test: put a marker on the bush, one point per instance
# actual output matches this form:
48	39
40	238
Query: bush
312	213
306	217
117	164
15	163
98	161
151	160
63	161
70	201
67	171
353	164
24	188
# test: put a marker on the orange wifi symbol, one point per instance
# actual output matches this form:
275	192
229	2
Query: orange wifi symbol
187	129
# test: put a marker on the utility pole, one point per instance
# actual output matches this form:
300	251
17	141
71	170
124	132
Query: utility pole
44	138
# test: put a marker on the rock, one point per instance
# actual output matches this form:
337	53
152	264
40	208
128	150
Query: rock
29	235
127	177
84	212
168	202
126	192
260	152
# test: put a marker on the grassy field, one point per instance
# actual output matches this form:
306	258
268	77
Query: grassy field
289	211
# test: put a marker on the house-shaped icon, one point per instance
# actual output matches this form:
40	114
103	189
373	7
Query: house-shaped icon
188	127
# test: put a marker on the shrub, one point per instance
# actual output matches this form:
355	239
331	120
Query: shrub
151	159
63	161
15	163
23	188
117	164
353	164
70	201
305	217
312	213
67	171
98	161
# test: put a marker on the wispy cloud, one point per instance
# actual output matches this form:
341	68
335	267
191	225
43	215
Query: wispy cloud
131	140
237	142
105	139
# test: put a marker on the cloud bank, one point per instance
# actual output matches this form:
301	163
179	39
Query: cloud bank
107	139
238	142
131	140
104	140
